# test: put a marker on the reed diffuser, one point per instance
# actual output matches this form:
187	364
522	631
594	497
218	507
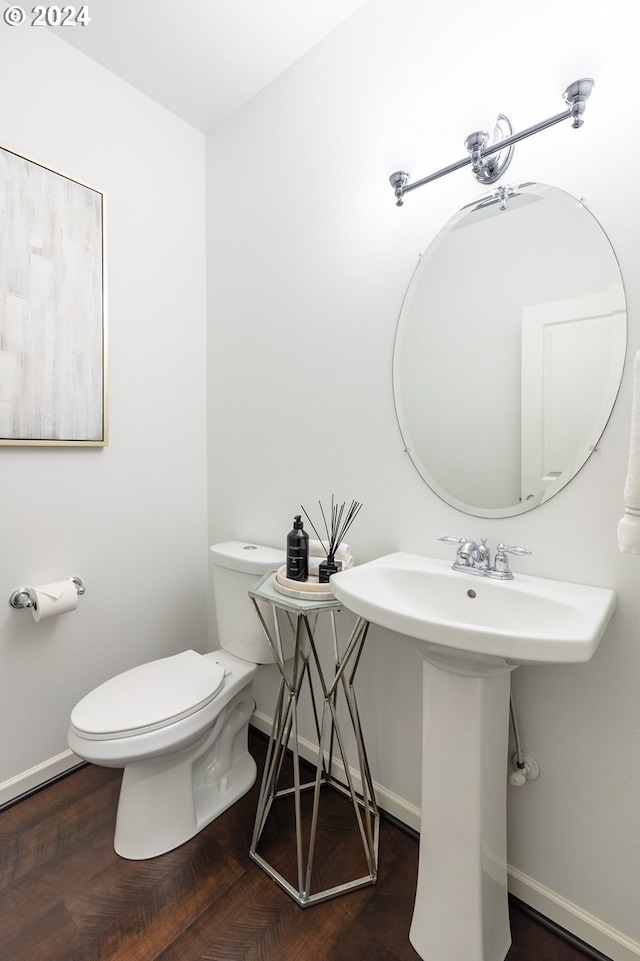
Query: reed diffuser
335	531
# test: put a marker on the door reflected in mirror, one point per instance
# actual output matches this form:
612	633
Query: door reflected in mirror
509	350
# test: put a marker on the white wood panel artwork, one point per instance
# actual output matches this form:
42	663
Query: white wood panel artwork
52	323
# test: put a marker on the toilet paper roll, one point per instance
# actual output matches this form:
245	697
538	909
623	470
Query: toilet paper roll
50	599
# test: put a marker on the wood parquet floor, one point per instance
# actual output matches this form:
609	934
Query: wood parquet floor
66	896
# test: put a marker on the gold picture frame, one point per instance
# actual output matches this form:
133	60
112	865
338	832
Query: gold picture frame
53	347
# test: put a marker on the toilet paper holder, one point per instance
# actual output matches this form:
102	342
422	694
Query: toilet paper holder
20	599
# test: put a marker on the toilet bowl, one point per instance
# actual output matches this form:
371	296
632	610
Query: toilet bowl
178	725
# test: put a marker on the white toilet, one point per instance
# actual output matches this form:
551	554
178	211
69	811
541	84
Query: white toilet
178	726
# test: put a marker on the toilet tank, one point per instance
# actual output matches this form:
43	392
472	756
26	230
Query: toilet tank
235	567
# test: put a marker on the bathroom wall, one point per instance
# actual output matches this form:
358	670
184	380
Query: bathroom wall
129	519
308	261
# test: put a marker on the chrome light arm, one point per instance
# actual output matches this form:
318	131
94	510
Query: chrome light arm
479	149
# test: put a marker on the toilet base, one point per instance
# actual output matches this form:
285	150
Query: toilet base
165	802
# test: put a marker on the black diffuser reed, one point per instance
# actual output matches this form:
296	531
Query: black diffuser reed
340	523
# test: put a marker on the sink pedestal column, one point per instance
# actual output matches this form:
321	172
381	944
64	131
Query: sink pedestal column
461	908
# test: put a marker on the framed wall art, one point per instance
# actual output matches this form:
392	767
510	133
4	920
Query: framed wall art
53	369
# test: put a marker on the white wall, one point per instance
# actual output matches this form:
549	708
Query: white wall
129	519
308	260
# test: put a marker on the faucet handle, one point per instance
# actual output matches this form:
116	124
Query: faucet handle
469	554
502	548
501	561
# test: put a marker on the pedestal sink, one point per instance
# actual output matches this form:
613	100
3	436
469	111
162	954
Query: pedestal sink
471	631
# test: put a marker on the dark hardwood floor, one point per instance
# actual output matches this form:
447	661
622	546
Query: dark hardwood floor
66	896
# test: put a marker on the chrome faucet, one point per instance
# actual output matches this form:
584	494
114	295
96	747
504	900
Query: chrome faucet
472	558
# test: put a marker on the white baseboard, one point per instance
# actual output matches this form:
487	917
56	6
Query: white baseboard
613	944
36	776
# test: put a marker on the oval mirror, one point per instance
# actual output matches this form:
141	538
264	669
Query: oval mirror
509	350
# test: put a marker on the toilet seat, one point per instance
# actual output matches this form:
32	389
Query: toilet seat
148	697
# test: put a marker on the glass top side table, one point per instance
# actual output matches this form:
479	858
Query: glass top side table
326	689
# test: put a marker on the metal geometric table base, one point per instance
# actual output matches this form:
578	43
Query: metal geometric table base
299	676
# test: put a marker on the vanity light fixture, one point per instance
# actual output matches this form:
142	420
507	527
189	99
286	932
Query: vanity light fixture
488	160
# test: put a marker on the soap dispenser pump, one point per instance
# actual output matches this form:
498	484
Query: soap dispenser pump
298	552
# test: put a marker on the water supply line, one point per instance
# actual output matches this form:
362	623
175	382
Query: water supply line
525	767
516	736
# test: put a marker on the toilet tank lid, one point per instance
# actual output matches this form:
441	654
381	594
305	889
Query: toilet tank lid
246	557
149	696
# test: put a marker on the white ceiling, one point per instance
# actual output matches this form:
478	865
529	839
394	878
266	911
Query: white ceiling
202	59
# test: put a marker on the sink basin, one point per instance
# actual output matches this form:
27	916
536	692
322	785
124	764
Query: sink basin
529	620
471	632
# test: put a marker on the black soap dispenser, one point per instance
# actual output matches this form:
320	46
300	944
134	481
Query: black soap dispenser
298	552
